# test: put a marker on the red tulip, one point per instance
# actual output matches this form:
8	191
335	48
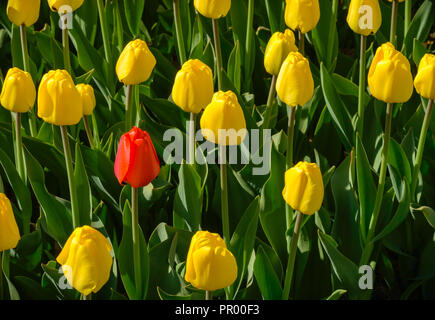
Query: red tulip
136	161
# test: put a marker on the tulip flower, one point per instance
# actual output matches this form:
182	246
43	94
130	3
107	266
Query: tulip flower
390	78
425	80
364	16
59	101
303	189
210	266
193	86
425	85
23	12
136	63
223	121
295	85
213	9
9	232
88	98
302	15
304	192
136	161
277	50
86	260
55	5
18	93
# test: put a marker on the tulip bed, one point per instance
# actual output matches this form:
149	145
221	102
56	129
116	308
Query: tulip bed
92	206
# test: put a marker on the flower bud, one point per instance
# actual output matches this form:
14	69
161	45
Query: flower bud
364	16
18	93
223	121
303	189
86	260
59	101
278	48
136	160
88	98
55	5
23	12
295	84
193	87
210	265
302	14
213	9
136	63
9	232
425	80
390	78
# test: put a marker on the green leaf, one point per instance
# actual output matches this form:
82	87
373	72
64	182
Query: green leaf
337	294
83	189
243	240
420	25
125	254
133	14
337	109
419	50
274	10
266	277
429	214
397	158
188	199
56	217
345	270
366	187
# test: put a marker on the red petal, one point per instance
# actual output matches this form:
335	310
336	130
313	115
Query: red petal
123	157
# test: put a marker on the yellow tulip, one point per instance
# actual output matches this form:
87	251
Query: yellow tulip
9	233
295	84
364	16
55	5
303	189
59	101
86	260
278	48
213	9
302	14
223	121
23	12
88	98
18	92
193	87
210	265
390	78
136	63
425	80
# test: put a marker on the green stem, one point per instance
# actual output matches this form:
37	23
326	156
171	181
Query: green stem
104	32
179	32
1	277
408	13
19	161
368	249
71	180
420	149
270	100
289	164
128	108
209	295
291	257
136	243
362	85
88	132
393	28
331	35
65	44
224	194
249	38
26	64
290	137
217	43
301	42
192	138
